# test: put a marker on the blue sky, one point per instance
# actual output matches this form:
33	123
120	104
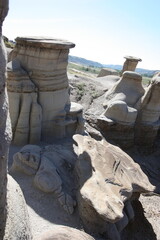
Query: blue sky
103	30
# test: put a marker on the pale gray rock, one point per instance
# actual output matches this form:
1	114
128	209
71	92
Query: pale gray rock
108	178
17	222
50	166
25	111
13	215
5	127
64	233
39	91
130	63
107	81
107	71
148	120
121	107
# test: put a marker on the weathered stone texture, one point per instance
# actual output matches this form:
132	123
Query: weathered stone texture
50	167
108	180
5	128
17	222
38	88
148	120
121	104
130	63
64	233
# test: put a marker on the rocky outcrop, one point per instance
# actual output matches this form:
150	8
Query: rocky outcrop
148	121
130	63
108	180
49	166
121	104
13	216
5	128
39	90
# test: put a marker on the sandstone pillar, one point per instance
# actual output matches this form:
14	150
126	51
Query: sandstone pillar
130	63
45	61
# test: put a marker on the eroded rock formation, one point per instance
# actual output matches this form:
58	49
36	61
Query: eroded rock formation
39	91
130	63
49	165
5	128
14	222
109	179
121	104
148	121
25	111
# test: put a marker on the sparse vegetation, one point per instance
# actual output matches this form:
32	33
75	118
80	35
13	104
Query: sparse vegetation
74	67
8	43
80	91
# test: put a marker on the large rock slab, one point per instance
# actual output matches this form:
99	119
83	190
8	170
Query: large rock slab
108	180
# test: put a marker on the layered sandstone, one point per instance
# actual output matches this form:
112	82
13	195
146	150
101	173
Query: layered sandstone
39	87
108	181
130	63
148	121
121	104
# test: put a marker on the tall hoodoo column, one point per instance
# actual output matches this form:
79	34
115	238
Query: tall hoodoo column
130	63
45	61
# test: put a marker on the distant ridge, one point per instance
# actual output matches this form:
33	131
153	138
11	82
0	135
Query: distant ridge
90	63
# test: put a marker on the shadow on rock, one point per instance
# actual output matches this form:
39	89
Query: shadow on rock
140	228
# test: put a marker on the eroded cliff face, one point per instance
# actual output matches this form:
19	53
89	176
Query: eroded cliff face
14	223
5	128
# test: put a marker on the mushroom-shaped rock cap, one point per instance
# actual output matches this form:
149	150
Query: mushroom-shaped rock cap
134	59
44	42
132	75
